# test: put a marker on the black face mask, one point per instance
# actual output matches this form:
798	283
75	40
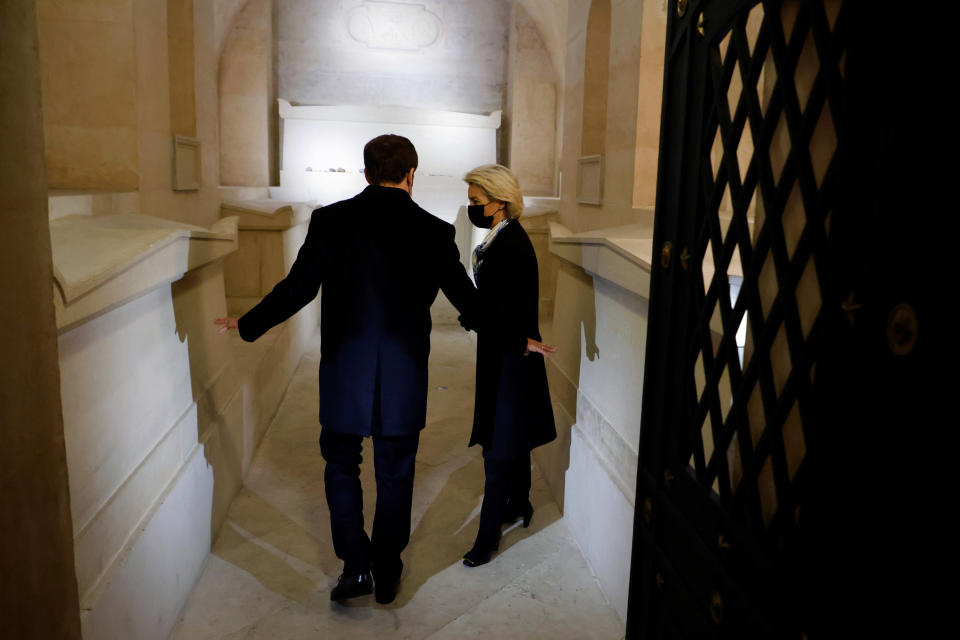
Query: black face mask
475	213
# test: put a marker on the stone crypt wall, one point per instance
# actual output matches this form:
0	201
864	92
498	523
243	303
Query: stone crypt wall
248	106
532	111
115	91
653	35
155	423
613	129
600	251
599	325
38	584
157	442
433	54
446	55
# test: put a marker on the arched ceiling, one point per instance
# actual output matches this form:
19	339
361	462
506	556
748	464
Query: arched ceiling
551	18
224	13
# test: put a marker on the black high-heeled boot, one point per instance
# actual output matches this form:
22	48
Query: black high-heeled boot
475	557
511	514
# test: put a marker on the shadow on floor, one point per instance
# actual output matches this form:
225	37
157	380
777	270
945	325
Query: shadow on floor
448	528
260	539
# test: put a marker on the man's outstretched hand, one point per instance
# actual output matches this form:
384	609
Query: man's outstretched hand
534	346
227	323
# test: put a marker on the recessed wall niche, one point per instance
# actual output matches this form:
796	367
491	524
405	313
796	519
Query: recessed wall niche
183	103
186	163
596	77
590	180
596	80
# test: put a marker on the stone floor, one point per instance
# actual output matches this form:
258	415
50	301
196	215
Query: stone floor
272	566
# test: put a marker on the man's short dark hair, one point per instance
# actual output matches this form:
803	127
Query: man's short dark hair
389	158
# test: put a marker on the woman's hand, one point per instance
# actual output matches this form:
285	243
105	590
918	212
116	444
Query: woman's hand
534	346
228	323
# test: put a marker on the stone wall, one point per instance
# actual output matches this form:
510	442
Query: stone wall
436	54
90	94
151	412
653	36
599	326
531	108
617	134
248	109
38	585
113	96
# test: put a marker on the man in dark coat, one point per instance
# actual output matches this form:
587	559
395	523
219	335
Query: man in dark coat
381	260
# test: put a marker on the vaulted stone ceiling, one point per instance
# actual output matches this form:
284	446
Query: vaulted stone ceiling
551	19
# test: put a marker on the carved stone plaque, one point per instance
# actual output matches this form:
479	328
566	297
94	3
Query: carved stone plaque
394	26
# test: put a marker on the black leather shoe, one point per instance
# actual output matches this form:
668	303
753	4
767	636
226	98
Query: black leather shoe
386	579
386	589
352	586
512	515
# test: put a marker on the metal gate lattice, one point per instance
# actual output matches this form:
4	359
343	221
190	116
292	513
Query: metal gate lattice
794	136
775	90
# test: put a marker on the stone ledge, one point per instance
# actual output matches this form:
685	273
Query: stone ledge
621	255
538	213
264	214
393	115
100	262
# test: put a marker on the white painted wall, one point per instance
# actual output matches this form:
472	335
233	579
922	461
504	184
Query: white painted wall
318	139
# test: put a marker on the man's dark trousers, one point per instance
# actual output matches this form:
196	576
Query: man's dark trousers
394	461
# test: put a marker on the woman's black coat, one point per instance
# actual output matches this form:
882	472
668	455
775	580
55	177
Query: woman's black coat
512	412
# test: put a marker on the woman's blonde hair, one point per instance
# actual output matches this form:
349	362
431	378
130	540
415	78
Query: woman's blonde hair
499	183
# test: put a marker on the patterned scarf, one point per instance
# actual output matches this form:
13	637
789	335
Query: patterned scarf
483	246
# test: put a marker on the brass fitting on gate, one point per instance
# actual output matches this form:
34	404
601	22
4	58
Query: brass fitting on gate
666	254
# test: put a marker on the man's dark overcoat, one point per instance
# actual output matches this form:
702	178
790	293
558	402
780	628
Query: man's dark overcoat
381	260
512	412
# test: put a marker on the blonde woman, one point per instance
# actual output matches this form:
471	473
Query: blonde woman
512	413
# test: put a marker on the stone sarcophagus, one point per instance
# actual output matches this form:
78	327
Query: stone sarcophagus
146	389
